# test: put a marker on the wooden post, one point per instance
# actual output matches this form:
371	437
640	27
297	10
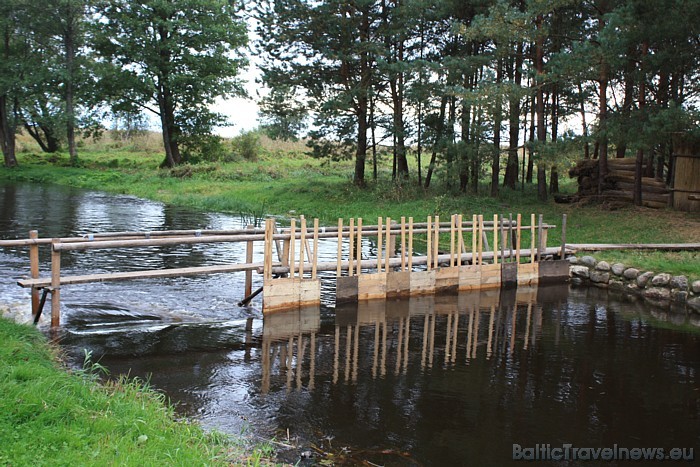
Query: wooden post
267	254
351	255
503	239
452	239
388	251
475	230
517	238
34	270
391	241
510	236
539	238
563	237
436	243
55	285
403	243
481	239
292	247
410	243
339	269
429	249
301	247
248	260
314	264
460	243
359	246
532	238
379	245
495	239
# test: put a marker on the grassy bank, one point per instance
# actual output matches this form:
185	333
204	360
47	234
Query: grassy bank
280	178
49	416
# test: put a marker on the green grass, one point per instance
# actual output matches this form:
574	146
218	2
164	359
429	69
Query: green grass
49	416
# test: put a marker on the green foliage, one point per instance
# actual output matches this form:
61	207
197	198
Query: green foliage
247	146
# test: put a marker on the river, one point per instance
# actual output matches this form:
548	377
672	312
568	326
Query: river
463	379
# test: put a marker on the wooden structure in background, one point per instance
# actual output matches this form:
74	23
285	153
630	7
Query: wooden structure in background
686	173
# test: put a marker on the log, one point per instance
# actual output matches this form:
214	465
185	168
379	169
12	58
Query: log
576	247
627	186
620	176
656	197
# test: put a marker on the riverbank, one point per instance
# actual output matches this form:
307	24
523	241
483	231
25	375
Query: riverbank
50	416
284	181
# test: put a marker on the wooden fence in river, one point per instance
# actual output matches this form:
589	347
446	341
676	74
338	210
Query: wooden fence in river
290	264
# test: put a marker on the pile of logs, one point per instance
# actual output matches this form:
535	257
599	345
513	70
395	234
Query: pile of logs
618	184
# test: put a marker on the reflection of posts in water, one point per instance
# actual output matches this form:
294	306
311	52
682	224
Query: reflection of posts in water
348	343
248	339
266	363
470	330
290	354
405	344
375	359
448	338
301	348
355	351
512	329
424	352
336	354
527	325
312	363
455	328
432	341
475	340
489	343
382	368
399	348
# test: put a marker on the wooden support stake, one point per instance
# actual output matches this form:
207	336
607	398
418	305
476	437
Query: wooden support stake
314	264
475	230
267	270
495	239
359	246
403	244
460	243
379	245
539	238
301	247
562	254
452	239
517	238
34	270
503	239
55	285
410	243
481	239
292	247
429	249
510	236
387	252
436	243
532	238
339	269
351	255
249	259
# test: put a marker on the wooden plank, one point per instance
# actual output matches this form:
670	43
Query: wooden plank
403	243
447	279
495	239
436	242
371	286
633	246
509	274
309	292
292	247
518	237
248	260
469	278
553	272
340	247
422	282
410	244
346	289
429	249
387	251
314	264
34	270
351	255
398	284
379	244
55	287
490	276
359	246
281	293
528	274
134	275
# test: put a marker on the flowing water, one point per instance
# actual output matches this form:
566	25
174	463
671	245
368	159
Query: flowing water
445	380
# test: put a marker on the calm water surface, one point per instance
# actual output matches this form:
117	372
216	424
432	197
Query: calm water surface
446	380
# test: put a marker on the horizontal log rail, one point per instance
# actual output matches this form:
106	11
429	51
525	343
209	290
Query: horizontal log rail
633	246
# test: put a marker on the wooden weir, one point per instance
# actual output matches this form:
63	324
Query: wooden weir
291	263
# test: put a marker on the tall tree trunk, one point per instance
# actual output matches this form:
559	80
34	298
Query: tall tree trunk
541	130
437	143
362	103
628	75
397	95
554	174
497	119
639	161
69	44
7	133
604	74
531	139
464	156
510	179
584	125
372	125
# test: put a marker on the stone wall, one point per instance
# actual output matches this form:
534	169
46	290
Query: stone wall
658	288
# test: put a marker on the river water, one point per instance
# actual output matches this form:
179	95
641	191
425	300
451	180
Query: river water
445	380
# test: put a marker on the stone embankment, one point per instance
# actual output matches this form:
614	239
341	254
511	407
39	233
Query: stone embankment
658	288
